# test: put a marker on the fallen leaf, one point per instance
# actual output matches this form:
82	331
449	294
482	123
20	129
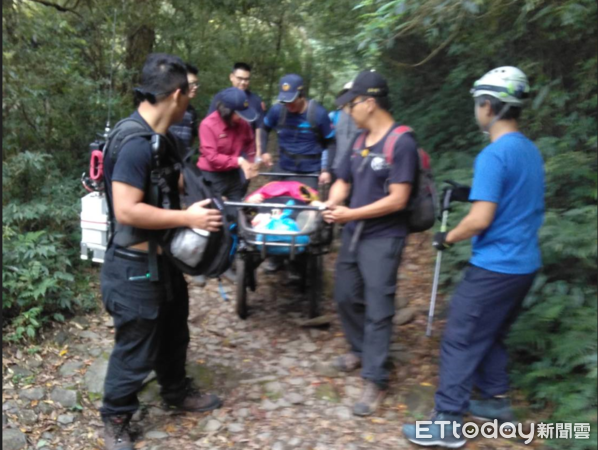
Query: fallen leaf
77	325
425	384
140	444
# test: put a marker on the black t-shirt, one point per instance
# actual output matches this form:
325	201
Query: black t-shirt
133	167
370	180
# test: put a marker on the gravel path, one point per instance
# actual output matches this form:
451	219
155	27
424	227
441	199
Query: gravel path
271	370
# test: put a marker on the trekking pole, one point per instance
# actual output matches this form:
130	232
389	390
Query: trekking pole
445	211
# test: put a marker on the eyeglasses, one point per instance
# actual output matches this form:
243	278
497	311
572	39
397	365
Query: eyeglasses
351	105
193	85
241	79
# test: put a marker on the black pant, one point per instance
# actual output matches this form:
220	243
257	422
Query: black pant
230	184
364	289
310	181
473	351
150	319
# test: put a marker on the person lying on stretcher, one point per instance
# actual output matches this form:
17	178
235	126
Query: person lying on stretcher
282	191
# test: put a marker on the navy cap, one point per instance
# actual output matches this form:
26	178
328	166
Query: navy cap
368	83
289	88
236	99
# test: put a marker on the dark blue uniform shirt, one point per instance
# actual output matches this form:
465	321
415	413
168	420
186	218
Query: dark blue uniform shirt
370	182
298	138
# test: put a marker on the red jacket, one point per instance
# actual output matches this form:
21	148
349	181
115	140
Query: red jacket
221	145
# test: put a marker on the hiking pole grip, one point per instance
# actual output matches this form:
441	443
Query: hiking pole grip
443	227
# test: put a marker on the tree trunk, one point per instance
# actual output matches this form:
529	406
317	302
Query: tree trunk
140	43
272	77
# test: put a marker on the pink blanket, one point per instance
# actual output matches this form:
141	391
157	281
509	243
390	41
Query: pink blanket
293	189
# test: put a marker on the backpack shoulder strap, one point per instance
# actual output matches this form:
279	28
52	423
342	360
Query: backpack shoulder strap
124	131
282	118
391	141
359	141
312	109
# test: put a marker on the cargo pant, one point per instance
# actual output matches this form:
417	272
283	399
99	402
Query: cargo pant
151	331
364	290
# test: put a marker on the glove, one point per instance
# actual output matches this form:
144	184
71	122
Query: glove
439	242
459	192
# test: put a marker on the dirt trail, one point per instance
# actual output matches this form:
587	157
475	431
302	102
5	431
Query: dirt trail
278	391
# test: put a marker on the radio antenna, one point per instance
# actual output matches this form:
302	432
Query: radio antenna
107	129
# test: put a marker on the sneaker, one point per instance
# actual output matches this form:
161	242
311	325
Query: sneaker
347	363
230	275
195	401
294	275
272	265
199	280
495	408
370	400
116	433
435	434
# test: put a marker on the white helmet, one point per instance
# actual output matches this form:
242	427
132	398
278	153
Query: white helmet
507	83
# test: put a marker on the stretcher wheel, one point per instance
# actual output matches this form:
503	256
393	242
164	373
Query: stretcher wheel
314	284
241	298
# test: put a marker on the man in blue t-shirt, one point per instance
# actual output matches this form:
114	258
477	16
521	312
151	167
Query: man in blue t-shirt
378	189
504	220
304	133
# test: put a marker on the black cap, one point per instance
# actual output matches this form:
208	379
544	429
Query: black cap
368	83
236	99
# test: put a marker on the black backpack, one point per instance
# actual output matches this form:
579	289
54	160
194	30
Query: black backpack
423	204
220	246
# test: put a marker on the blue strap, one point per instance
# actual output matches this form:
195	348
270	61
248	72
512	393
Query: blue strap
235	238
221	290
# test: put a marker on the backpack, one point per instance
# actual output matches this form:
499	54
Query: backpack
422	206
217	249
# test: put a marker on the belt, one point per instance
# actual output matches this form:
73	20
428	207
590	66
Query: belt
131	255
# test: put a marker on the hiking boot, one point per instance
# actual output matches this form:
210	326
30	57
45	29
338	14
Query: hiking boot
272	264
199	280
116	433
370	400
294	273
495	408
347	363
195	401
436	434
230	275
